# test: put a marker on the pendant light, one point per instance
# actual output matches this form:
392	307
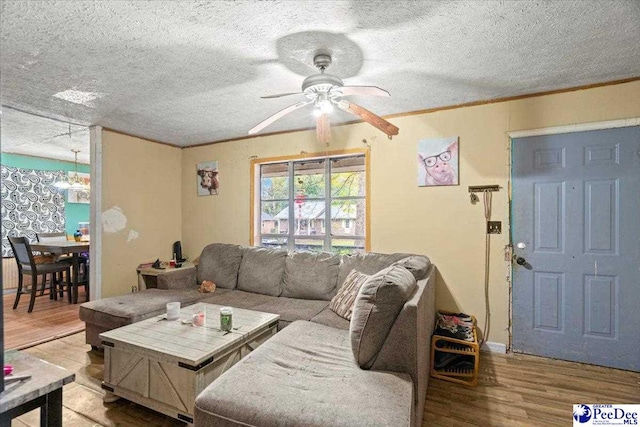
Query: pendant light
74	182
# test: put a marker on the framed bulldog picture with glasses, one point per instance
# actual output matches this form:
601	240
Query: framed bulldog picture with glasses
438	162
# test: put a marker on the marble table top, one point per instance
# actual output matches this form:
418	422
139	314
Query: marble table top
45	378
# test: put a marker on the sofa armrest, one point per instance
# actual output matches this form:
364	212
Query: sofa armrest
412	332
180	278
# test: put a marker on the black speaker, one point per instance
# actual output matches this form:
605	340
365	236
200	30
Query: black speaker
177	252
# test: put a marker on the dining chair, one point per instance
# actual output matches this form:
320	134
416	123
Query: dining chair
53	238
27	266
83	270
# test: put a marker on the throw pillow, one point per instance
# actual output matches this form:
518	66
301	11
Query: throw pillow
342	303
376	308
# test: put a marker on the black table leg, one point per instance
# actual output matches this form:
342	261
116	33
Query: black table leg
51	411
76	272
50	406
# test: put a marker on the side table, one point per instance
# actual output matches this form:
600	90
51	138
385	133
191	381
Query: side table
148	277
43	390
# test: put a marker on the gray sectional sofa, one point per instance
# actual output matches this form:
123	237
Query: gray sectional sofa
310	373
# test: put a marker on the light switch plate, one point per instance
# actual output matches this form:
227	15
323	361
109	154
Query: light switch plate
494	227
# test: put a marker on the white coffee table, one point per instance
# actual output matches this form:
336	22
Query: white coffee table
164	365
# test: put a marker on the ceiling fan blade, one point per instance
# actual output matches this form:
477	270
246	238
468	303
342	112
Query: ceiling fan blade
278	115
280	95
363	90
323	128
369	117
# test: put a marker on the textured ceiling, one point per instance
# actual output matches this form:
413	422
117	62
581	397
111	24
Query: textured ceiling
190	72
41	137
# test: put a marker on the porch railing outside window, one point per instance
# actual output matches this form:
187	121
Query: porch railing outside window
316	204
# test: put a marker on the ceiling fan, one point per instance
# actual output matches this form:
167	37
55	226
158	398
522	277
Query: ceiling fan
325	91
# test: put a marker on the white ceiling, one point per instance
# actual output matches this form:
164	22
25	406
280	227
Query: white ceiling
41	137
190	72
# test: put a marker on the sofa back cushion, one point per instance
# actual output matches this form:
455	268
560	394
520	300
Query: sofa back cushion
309	275
417	265
219	262
369	263
377	305
261	271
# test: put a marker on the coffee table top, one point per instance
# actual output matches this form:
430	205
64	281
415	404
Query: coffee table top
191	345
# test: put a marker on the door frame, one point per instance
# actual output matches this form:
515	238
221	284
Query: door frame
551	130
95	213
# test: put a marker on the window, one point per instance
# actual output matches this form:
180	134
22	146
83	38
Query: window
313	203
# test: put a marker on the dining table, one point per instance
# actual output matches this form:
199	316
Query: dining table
67	248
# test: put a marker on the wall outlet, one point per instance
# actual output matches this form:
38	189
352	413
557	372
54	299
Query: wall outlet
494	227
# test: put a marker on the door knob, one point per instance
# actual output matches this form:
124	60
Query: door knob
521	261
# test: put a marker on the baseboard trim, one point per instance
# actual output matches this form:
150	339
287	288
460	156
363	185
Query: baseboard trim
494	347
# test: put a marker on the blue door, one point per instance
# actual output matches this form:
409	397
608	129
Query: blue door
576	237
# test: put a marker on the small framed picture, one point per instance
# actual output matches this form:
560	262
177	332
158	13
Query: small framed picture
208	183
438	162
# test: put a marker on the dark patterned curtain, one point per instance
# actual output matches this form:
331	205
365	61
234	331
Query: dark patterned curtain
30	204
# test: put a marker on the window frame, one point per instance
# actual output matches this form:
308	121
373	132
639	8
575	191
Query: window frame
255	232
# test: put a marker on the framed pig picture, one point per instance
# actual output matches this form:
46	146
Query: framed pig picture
438	162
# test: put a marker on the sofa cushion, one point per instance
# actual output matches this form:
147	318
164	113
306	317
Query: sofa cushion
291	309
123	310
236	298
329	318
310	275
417	265
377	305
342	303
305	376
261	271
369	263
220	263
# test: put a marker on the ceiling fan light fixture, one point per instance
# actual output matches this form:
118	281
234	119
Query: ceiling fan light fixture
326	107
323	104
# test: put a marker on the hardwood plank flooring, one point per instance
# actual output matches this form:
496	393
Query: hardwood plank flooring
49	319
514	390
523	390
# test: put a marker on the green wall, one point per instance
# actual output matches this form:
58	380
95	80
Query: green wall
74	212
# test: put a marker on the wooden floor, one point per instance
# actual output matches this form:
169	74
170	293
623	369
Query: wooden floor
523	390
49	319
514	390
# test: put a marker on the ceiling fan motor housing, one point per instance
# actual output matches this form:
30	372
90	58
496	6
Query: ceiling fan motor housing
320	83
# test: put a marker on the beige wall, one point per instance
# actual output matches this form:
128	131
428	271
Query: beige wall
439	222
142	179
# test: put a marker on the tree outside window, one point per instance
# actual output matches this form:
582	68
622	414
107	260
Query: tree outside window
316	204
